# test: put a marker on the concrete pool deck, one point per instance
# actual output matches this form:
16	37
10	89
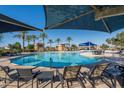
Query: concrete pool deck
6	62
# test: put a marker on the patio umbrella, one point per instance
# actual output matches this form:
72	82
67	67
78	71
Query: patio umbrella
85	17
89	44
8	24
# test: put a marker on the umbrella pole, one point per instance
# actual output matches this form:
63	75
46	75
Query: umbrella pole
89	46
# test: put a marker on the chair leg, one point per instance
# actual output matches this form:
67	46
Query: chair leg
5	81
93	83
67	84
37	83
81	83
18	83
62	84
84	80
52	81
32	83
107	83
71	83
113	82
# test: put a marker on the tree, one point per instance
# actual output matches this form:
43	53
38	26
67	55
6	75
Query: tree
34	37
50	41
104	47
74	47
30	47
22	35
16	47
108	41
117	41
69	39
58	40
120	40
29	38
43	36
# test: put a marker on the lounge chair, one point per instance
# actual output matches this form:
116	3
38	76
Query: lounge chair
26	75
119	76
96	73
70	74
7	75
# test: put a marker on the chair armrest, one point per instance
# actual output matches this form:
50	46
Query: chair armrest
84	75
107	74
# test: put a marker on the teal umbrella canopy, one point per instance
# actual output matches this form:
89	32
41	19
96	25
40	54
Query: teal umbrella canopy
8	24
85	17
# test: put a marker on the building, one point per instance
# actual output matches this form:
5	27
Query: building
38	47
61	47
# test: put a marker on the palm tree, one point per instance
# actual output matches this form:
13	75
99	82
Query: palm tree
34	37
74	47
69	39
108	41
22	35
28	38
43	36
58	40
50	41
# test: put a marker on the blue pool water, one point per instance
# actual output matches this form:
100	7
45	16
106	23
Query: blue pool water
54	59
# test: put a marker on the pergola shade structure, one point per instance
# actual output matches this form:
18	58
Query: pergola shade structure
87	44
8	24
85	17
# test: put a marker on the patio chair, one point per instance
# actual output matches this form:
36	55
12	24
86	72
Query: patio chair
120	76
26	75
120	67
70	74
98	72
7	75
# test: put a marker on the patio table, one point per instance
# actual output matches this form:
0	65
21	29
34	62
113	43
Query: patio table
46	75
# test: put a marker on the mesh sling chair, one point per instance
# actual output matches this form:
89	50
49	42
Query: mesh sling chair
70	74
7	75
117	73
26	75
96	73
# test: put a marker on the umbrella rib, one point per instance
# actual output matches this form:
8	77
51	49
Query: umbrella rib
94	7
32	28
68	20
106	26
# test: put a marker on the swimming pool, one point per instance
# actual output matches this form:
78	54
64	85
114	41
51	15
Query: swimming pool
54	59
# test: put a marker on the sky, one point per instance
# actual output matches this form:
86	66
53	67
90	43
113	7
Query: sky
34	16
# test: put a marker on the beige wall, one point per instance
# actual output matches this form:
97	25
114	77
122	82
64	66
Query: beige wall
61	48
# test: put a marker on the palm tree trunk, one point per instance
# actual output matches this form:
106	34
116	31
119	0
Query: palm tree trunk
23	43
69	45
28	43
50	46
43	44
34	42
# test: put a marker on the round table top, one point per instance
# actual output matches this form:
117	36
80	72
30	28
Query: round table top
45	75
